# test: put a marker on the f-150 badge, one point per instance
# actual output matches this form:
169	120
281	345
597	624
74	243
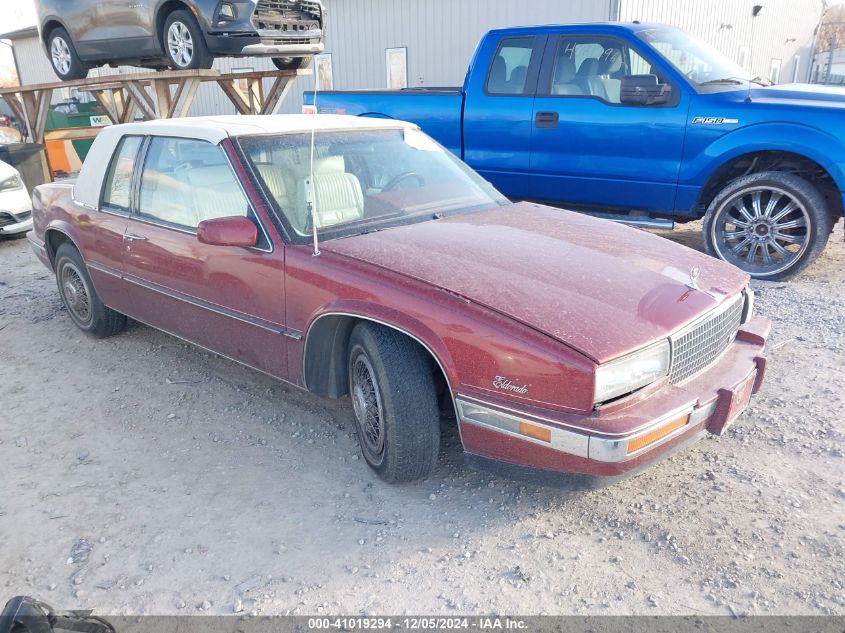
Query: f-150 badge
713	120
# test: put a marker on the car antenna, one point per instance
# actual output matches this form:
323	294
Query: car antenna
310	196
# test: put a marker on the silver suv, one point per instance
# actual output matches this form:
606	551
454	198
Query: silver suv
181	34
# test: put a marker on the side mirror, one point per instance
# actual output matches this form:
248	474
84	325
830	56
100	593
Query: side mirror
644	90
230	231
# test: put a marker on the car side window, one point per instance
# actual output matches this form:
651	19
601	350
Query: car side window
587	66
118	184
186	181
509	69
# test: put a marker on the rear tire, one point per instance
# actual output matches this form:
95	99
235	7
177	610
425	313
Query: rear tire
770	224
395	403
183	42
63	58
291	63
80	298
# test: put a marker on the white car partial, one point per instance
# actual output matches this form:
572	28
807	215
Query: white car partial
15	203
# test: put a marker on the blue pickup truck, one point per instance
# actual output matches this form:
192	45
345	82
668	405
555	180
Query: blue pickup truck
641	123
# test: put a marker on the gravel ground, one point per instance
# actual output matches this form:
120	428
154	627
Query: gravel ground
141	475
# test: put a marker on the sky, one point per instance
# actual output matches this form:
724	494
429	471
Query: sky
17	15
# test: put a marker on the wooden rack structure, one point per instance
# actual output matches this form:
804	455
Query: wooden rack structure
164	94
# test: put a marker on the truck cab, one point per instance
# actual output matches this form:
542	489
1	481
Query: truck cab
643	124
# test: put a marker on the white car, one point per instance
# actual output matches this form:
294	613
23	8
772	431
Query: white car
15	203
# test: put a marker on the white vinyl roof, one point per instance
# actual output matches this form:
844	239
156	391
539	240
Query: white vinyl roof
215	128
212	129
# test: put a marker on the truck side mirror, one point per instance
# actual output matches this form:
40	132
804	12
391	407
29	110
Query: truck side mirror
644	90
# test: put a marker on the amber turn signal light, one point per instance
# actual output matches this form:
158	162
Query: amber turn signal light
657	434
537	432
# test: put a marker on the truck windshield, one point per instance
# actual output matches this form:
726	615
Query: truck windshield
363	180
701	64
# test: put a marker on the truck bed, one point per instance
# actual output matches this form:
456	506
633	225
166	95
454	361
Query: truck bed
436	110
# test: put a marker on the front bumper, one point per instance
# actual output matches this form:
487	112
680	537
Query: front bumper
39	248
266	43
15	212
669	418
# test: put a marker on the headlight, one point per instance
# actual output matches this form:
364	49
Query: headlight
748	306
631	372
11	183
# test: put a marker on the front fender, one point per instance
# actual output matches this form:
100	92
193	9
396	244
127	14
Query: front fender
808	141
391	318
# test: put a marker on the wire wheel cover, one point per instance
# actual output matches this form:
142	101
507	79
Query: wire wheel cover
366	402
75	293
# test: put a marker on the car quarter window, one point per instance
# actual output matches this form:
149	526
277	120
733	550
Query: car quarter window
186	181
593	66
118	183
508	71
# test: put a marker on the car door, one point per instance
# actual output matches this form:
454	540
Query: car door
105	247
498	112
587	147
131	28
225	298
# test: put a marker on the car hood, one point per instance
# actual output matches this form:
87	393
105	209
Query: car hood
803	94
601	288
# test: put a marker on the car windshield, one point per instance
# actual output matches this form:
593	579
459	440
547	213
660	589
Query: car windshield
701	64
363	180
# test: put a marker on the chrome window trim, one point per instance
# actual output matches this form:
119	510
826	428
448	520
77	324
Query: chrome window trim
137	214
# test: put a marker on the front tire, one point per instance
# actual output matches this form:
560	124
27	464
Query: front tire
291	63
771	224
395	403
184	44
66	63
80	298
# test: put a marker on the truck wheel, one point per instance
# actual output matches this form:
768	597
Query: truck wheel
66	63
291	63
184	43
81	300
771	224
395	403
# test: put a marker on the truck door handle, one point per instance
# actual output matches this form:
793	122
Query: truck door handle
546	119
134	236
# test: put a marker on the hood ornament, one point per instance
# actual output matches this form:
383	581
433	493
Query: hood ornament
694	274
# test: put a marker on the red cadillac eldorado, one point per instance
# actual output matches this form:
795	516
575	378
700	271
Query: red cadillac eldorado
367	261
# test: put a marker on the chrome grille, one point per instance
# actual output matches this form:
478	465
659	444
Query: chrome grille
7	219
697	346
287	15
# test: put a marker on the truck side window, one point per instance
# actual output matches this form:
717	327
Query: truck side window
509	68
118	181
594	67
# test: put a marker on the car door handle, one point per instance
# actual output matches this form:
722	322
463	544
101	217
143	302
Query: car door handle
546	119
134	236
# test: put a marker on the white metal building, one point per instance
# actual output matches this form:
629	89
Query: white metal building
433	40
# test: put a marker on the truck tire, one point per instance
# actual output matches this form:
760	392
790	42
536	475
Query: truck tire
80	298
291	63
183	42
395	403
66	63
771	224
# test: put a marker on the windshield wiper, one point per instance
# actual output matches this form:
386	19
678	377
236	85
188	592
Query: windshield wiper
726	80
